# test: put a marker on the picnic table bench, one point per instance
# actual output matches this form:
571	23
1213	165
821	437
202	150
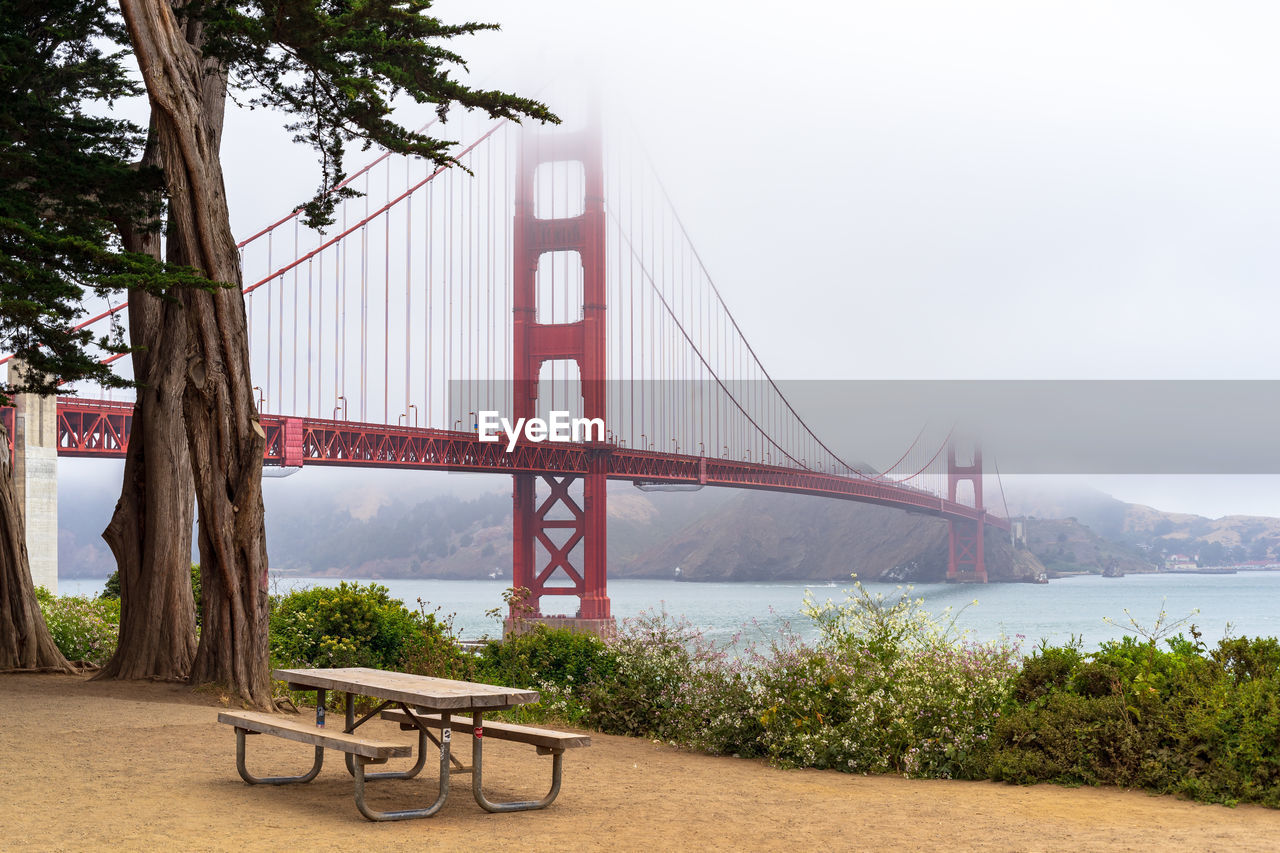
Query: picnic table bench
302	731
426	705
546	740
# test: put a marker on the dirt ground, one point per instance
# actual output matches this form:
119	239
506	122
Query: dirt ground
87	766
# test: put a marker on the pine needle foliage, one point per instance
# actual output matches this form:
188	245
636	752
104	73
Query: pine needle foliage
336	68
68	184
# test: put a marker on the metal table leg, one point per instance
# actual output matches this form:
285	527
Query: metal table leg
412	772
477	774
372	814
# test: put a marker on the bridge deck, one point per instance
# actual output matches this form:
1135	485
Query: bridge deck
99	428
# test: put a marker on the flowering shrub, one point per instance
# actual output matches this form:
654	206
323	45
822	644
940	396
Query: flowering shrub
669	682
84	629
886	689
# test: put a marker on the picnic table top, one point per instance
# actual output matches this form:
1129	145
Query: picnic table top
437	694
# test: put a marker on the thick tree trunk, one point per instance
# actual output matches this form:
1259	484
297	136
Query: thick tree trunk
150	531
25	643
224	437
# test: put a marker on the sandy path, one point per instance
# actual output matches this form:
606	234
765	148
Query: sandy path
144	766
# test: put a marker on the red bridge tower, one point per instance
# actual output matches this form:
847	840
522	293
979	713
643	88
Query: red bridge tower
968	561
559	541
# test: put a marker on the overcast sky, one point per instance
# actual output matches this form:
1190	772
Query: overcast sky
1030	190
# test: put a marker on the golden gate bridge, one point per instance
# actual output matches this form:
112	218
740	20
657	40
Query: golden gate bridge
548	273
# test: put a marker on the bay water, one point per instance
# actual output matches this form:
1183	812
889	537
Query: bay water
1244	604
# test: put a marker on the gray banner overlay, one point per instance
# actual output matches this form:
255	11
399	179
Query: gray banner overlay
1024	426
1063	427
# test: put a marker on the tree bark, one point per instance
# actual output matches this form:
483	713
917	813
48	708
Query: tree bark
224	437
150	531
25	642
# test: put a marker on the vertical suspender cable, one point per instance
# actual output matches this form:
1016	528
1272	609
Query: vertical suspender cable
310	292
489	280
270	317
408	292
319	288
294	366
386	308
340	318
448	277
469	282
364	307
249	307
429	336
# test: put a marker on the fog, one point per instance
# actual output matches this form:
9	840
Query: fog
932	190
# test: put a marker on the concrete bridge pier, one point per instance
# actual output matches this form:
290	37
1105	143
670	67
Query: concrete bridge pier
35	475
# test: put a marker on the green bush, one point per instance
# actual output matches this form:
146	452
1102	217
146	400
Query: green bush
1049	668
432	649
84	629
1174	719
549	655
561	664
1242	660
1069	739
347	625
360	625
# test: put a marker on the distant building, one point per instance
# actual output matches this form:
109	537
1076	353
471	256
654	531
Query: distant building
1178	562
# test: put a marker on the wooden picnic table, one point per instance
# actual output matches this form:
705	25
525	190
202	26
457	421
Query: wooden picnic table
422	691
424	703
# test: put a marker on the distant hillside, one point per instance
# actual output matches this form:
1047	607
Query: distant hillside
1066	545
1232	538
353	524
769	536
